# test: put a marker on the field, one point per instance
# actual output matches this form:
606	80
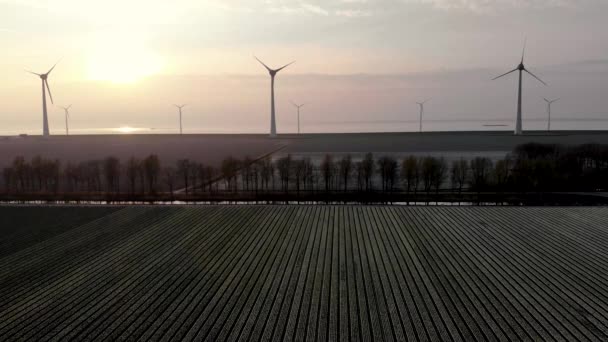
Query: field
211	149
303	273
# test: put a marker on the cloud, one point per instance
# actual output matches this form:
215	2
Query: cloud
497	5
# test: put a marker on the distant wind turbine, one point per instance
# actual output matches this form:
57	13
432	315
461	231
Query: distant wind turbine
549	103
273	73
180	107
298	107
521	68
45	87
67	116
421	104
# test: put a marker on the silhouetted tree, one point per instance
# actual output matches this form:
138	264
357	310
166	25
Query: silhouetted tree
502	173
387	168
309	173
283	166
427	173
152	170
183	170
266	172
367	165
229	172
246	173
111	169
327	171
440	172
410	174
299	171
346	169
20	170
459	174
169	178
193	179
480	173
132	169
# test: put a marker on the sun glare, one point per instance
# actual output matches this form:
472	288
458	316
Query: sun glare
127	129
121	60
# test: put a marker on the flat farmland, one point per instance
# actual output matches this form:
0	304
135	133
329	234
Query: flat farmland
315	273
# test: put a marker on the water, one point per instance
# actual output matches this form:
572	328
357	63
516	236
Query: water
372	126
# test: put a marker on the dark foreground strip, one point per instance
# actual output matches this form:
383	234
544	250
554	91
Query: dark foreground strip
303	273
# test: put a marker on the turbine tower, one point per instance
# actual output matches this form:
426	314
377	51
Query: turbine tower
180	107
273	73
67	116
549	103
521	68
298	107
45	87
421	104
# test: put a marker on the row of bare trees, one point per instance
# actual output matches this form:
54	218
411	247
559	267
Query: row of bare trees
531	167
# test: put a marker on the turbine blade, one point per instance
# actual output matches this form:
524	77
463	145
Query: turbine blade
33	73
285	66
49	90
70	106
523	54
541	81
505	74
426	101
265	66
53	66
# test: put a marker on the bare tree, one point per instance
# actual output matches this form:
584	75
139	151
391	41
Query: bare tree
111	170
183	169
246	172
410	173
284	167
427	171
193	169
387	167
266	171
132	173
299	171
502	172
229	172
152	170
459	174
309	173
327	171
169	177
440	172
20	169
480	173
367	165
346	169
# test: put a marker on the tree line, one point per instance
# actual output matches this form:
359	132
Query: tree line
528	168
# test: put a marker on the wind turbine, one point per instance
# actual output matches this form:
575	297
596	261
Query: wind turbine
273	73
549	103
298	107
45	86
180	107
67	116
521	68
421	104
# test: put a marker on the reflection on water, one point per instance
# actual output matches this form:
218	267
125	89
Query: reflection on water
371	126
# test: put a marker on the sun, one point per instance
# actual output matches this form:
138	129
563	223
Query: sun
127	129
119	58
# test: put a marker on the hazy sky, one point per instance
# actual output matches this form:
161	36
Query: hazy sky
124	62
